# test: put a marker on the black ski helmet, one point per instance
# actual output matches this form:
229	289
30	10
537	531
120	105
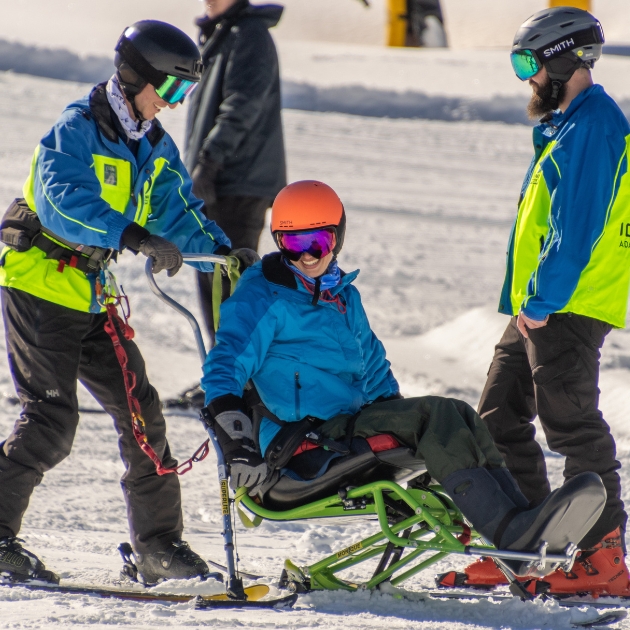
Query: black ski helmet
561	39
149	51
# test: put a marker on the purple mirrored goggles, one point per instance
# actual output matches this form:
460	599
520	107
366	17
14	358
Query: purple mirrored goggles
317	243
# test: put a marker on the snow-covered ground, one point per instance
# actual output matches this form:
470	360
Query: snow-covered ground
89	27
430	205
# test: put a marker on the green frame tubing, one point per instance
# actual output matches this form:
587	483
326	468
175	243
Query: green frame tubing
437	528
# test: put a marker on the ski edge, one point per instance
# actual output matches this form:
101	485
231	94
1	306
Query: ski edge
278	603
201	601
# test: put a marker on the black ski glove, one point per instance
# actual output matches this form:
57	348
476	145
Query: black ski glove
203	177
165	254
246	257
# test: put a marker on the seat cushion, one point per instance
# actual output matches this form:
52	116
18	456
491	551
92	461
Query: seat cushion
359	467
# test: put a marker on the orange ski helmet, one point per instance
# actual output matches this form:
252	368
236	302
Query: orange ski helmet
308	205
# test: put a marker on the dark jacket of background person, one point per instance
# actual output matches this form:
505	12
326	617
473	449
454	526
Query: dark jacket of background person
234	116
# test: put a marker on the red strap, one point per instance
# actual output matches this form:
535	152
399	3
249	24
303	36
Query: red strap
305	446
325	296
377	443
384	442
464	537
129	377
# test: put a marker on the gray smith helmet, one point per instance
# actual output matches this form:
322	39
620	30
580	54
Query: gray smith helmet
561	39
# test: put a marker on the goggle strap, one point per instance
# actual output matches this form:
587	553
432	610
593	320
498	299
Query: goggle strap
581	38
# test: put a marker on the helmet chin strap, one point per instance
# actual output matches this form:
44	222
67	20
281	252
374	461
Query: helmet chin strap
555	91
131	91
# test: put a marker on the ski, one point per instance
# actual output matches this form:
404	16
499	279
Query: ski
253	593
604	613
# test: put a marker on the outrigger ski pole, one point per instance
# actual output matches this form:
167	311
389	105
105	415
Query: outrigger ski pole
234	586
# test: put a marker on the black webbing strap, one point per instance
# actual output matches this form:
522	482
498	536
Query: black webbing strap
87	260
352	420
317	291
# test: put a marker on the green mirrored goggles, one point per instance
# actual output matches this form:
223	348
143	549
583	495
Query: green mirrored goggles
525	64
174	89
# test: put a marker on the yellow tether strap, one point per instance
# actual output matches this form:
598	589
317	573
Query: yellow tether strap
217	290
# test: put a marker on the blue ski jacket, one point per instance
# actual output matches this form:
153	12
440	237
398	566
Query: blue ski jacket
304	359
569	250
87	186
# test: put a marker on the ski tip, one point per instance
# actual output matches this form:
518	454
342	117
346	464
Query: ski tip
277	603
601	619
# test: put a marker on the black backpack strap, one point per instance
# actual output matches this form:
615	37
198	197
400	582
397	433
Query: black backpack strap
291	434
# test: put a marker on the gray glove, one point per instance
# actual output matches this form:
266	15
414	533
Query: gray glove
246	257
247	467
165	255
237	425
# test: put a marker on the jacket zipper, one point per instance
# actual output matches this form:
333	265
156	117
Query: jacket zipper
298	387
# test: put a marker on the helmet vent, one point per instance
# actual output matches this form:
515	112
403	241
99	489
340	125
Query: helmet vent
536	36
182	69
567	24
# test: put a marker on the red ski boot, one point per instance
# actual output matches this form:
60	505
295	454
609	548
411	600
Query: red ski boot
598	571
482	573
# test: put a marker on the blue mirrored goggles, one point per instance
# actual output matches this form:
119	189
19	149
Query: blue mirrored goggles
525	64
174	89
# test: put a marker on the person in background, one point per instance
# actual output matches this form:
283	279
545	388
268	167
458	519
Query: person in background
566	287
234	143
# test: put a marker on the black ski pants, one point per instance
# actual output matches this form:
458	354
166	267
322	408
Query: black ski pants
242	218
50	347
553	374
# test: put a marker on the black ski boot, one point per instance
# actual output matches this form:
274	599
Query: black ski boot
497	513
177	561
19	565
193	398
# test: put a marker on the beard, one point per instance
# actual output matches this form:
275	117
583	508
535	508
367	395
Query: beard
541	102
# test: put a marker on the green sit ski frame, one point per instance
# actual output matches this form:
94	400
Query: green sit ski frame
423	521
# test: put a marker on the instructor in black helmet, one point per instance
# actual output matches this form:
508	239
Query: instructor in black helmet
105	178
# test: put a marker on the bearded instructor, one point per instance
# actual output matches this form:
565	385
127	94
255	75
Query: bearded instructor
566	287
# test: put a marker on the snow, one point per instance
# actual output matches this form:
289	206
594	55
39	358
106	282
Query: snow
89	27
436	84
430	204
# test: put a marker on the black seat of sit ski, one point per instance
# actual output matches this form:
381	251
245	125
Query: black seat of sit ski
359	467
